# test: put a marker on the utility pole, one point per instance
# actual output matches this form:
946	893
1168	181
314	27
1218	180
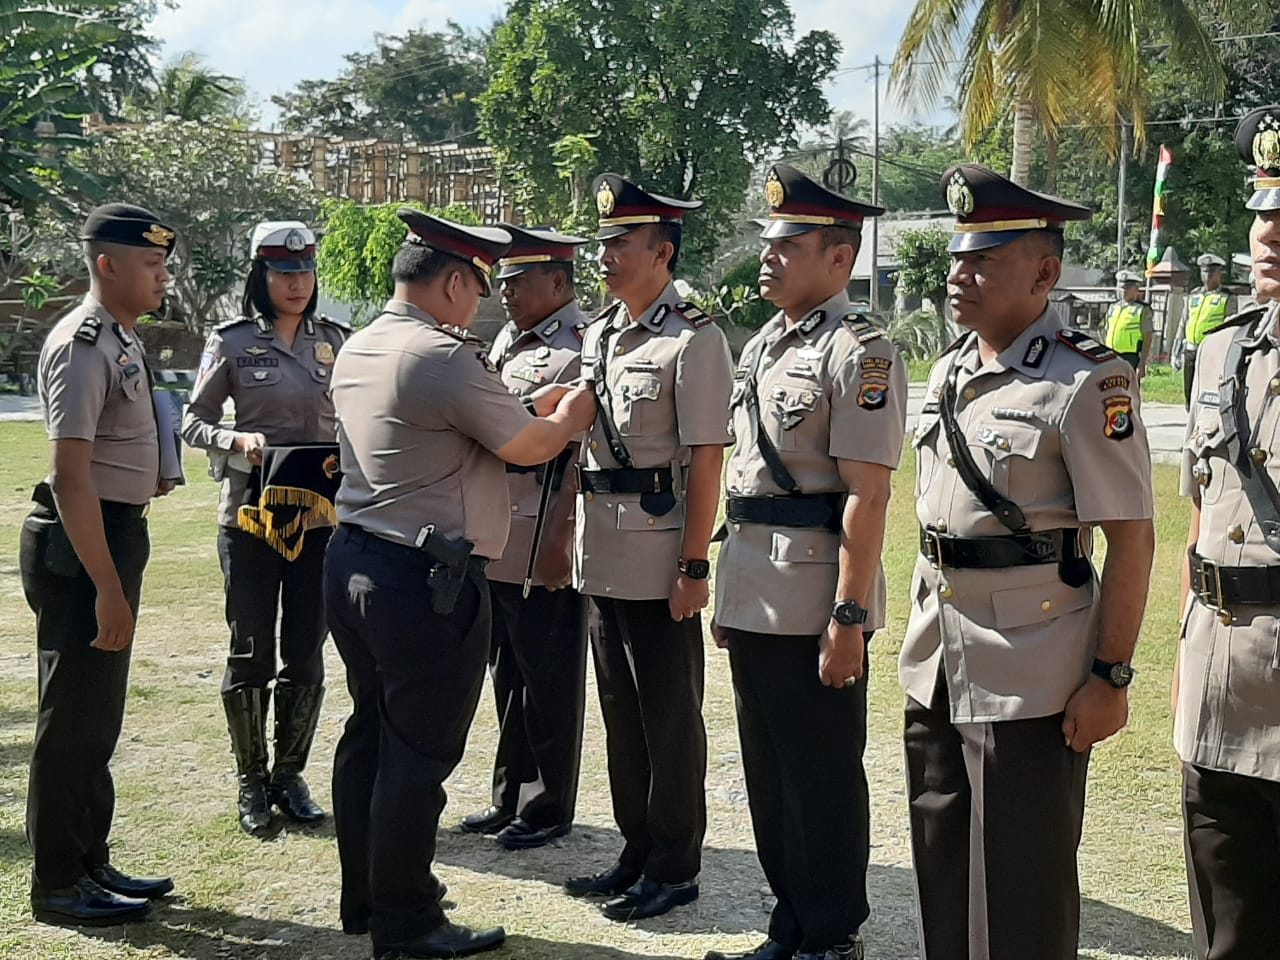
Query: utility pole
1120	186
875	194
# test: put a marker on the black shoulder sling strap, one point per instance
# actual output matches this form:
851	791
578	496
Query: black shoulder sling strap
1001	507
772	459
599	373
1258	486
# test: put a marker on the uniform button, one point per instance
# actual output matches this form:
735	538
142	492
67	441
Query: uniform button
970	393
1047	606
946	592
652	521
514	508
951	461
1275	385
589	495
1003	443
1236	533
608	505
594	444
1199	439
1258	455
619	350
941	525
810	551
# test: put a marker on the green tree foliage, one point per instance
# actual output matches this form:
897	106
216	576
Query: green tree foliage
418	86
681	95
207	183
924	263
186	88
359	243
913	159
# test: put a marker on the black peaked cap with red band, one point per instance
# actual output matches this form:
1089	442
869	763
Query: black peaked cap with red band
799	204
531	246
479	246
1258	143
991	210
624	207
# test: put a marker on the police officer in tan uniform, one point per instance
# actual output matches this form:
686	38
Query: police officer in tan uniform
538	654
425	425
1227	714
83	550
819	412
1016	657
274	363
649	482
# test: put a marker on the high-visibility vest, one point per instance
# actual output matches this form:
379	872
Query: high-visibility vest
1124	326
1207	312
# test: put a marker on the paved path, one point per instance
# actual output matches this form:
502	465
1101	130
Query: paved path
1166	422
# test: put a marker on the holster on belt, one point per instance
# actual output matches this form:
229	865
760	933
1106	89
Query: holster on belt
449	572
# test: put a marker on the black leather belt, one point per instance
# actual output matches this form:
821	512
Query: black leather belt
1226	587
820	510
521	468
1015	550
656	480
403	552
111	509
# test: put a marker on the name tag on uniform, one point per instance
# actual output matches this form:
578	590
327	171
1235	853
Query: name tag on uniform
800	370
1208	399
641	365
1009	413
257	362
805	353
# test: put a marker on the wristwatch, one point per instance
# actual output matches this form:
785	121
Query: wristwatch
694	569
1119	675
847	613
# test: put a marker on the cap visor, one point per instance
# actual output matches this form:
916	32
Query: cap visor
1264	200
608	233
514	270
486	282
965	242
775	229
291	266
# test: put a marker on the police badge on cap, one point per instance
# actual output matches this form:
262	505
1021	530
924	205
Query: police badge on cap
1258	143
129	226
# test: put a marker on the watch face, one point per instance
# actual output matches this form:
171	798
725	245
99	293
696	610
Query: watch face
1121	675
697	569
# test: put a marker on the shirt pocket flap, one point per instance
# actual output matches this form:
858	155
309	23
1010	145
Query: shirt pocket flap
1009	439
805	546
1207	434
1036	604
631	516
927	423
133	387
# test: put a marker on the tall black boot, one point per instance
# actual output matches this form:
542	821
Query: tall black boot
297	712
247	723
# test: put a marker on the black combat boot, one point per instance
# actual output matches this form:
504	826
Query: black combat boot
297	712
247	723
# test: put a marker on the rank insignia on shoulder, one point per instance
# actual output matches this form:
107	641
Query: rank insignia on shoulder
486	362
694	315
334	322
1119	417
863	330
89	330
228	324
1035	353
1086	346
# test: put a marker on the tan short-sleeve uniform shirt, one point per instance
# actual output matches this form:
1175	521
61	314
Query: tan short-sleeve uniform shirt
420	411
1057	431
828	390
94	385
1228	715
279	390
670	375
546	353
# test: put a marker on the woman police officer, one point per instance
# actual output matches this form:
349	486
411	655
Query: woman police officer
274	363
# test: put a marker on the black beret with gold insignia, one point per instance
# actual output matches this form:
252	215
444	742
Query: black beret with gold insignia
798	204
991	210
624	207
1258	143
478	246
531	246
129	226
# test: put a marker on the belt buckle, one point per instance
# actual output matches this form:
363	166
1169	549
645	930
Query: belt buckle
933	548
1211	589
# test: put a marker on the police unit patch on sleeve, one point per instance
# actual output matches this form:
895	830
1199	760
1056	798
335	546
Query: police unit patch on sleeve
872	394
1085	345
1119	417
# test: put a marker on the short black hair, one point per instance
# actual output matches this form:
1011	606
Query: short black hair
1054	242
833	236
668	233
559	266
419	263
256	300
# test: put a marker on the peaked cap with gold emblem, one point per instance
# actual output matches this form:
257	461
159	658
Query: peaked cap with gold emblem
624	207
991	211
799	204
1258	143
129	226
478	246
531	246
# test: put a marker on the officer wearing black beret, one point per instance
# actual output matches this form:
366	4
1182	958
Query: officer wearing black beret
84	547
425	426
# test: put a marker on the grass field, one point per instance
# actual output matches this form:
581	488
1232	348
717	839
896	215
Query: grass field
239	899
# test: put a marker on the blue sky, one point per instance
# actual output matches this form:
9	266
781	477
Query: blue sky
273	44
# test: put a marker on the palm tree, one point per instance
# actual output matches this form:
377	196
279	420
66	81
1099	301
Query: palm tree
1048	63
187	89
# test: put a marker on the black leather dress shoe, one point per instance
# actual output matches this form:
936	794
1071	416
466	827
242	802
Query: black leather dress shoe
649	898
769	950
291	795
449	940
488	821
85	904
851	950
138	888
522	835
617	879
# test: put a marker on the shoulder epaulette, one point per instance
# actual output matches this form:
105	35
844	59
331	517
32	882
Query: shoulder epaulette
1085	345
459	334
863	330
694	315
334	322
607	313
955	344
89	329
1248	316
228	324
